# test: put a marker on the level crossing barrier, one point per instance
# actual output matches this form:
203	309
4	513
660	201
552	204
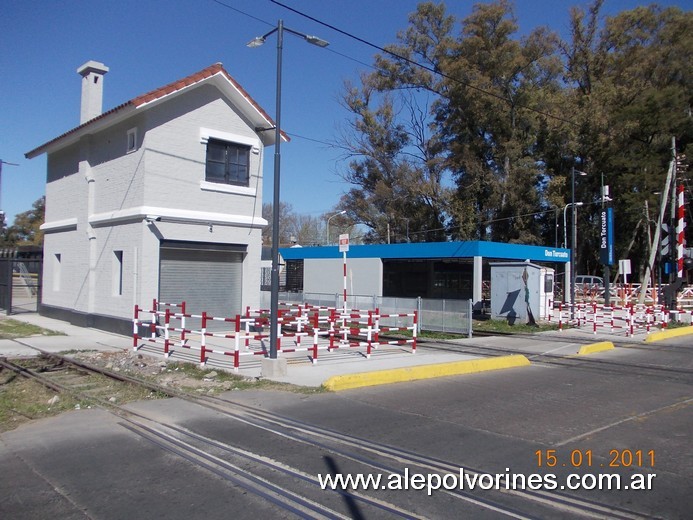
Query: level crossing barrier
627	319
309	328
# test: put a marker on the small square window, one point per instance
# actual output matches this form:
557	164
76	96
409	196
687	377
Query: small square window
132	140
227	163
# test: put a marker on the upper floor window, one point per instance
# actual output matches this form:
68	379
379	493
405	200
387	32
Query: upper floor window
132	140
227	163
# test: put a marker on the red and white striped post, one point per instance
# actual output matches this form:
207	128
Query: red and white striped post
345	281
344	248
414	332
203	340
237	342
182	322
167	321
152	325
135	325
316	329
680	231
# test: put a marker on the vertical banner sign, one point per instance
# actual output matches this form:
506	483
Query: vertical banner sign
606	237
343	248
680	231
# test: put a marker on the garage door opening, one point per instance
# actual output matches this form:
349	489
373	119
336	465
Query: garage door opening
208	277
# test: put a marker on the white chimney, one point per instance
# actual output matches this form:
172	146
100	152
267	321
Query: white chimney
92	90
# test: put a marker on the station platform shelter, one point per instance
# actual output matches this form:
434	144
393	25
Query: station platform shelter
435	270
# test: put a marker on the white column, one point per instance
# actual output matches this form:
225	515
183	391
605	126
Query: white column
566	284
477	282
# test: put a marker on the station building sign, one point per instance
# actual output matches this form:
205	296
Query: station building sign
606	237
556	254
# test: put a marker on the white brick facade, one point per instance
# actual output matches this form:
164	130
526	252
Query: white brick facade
99	196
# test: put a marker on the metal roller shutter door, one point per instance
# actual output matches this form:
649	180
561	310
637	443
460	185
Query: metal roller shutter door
206	279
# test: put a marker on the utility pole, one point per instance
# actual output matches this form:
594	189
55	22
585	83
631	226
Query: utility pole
2	213
662	208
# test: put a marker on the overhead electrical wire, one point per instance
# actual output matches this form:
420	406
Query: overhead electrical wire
425	67
393	54
411	62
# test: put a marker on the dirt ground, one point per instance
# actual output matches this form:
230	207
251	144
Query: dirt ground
23	400
168	374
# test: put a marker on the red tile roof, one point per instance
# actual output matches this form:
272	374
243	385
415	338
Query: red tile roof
159	93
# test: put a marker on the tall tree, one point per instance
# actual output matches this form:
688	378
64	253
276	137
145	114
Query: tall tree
507	118
397	176
491	117
480	130
629	87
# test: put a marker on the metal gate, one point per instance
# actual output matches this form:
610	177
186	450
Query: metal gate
207	277
20	285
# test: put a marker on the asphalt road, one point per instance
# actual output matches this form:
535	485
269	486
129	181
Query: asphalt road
588	417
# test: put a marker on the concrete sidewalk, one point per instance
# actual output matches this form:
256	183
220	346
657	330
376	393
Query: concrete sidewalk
388	363
71	338
338	369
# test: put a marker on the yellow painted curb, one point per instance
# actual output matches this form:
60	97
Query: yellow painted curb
400	375
669	333
595	347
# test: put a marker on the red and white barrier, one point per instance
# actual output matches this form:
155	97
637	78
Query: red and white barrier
680	230
309	328
629	319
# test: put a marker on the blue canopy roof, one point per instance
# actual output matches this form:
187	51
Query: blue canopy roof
432	250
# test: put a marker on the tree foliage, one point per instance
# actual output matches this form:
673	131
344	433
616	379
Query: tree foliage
473	133
307	230
25	230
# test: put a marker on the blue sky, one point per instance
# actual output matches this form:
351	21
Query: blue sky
149	43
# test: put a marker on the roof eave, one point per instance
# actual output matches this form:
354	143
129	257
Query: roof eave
105	120
215	74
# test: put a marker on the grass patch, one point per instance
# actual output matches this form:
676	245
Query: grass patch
12	329
677	325
503	327
488	326
23	400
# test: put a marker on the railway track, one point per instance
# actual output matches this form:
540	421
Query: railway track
288	485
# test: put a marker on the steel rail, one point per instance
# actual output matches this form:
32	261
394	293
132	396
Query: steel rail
256	416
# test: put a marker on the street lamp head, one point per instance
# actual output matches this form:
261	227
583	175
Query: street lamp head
578	204
256	42
314	40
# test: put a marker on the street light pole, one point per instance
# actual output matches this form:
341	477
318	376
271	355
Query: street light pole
572	245
274	287
565	244
327	241
573	171
565	220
